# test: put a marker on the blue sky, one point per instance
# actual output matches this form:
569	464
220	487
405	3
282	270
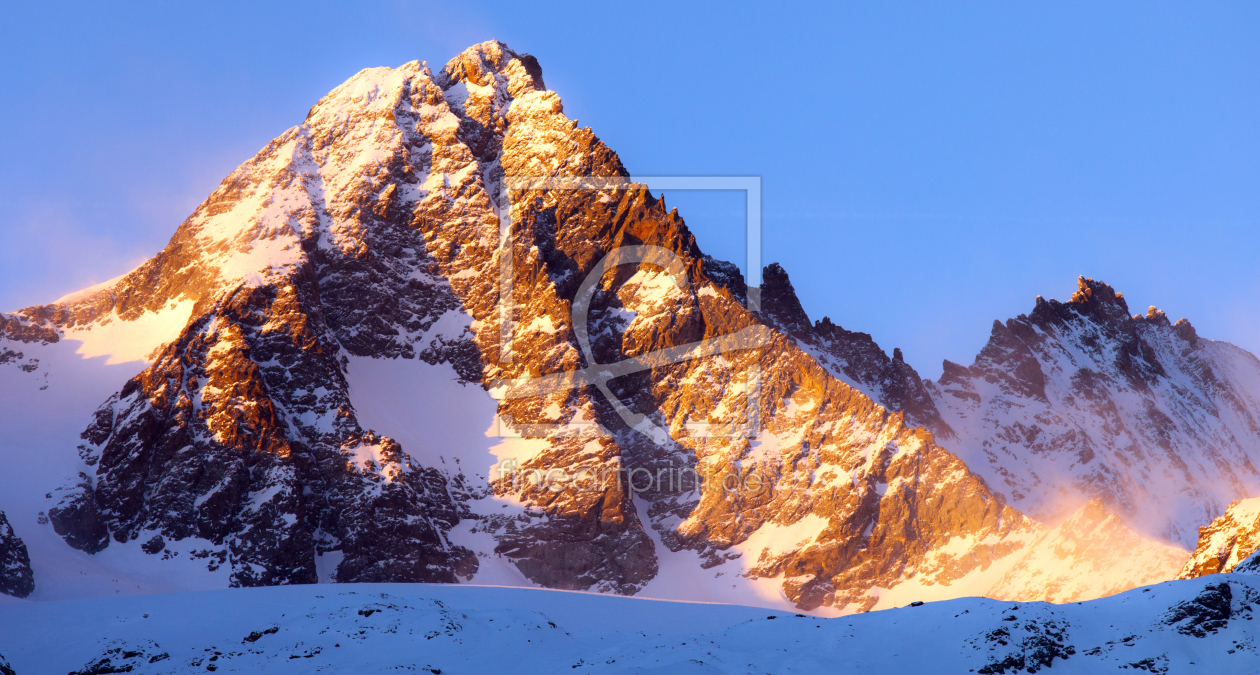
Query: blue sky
928	167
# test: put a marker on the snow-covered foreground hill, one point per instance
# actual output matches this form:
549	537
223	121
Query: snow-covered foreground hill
1203	625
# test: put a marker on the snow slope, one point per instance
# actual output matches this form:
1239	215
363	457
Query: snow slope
1201	625
46	397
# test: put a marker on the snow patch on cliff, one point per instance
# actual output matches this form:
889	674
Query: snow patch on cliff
122	341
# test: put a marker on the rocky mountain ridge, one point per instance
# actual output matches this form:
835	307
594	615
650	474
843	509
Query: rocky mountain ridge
1081	400
853	357
1077	401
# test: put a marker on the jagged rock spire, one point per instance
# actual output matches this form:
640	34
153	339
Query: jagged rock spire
16	577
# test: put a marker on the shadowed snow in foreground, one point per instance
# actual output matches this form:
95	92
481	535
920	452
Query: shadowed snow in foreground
1200	624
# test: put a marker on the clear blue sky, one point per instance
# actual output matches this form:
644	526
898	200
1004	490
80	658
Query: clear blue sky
928	167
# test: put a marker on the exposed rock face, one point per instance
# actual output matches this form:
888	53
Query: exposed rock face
77	518
16	577
1212	610
795	455
1228	542
887	495
18	328
1079	400
20	340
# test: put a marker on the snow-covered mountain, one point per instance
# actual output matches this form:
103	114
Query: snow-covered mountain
1073	402
1079	400
1200	625
373	355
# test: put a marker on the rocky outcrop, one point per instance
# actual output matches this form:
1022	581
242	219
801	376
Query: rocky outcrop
1227	542
16	577
1080	400
77	519
19	328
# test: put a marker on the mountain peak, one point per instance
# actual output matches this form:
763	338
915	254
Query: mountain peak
1227	541
779	302
1186	331
1090	294
477	64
